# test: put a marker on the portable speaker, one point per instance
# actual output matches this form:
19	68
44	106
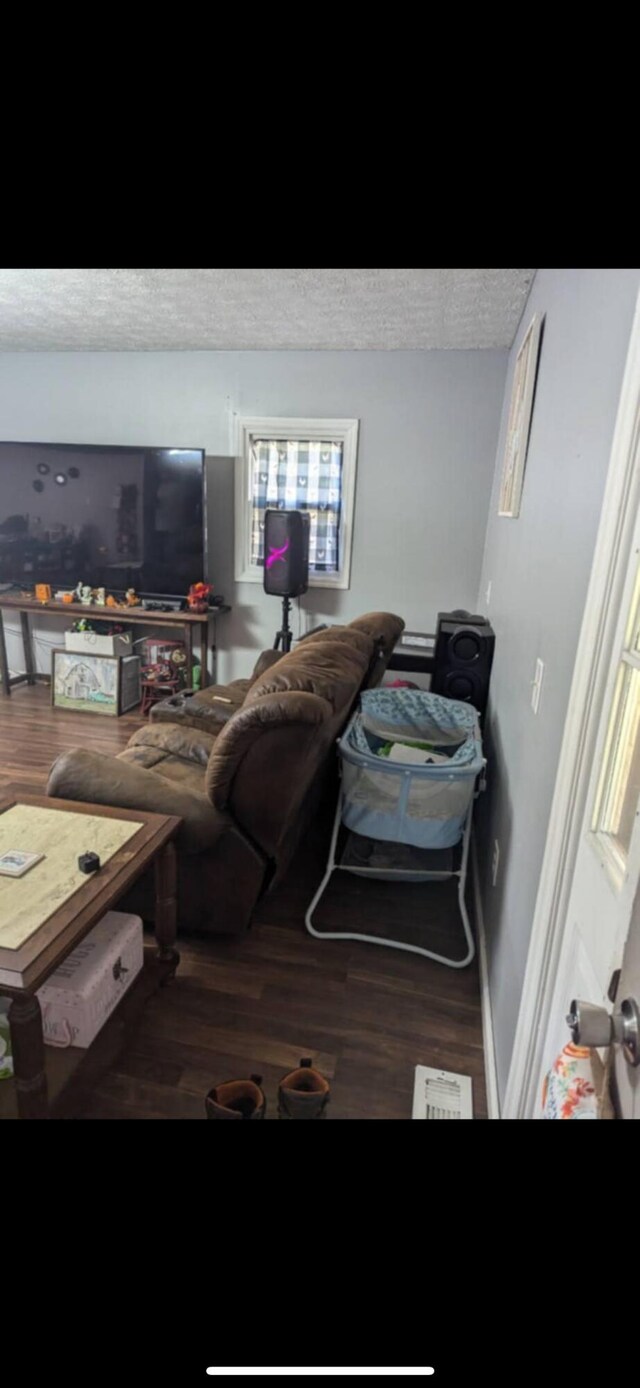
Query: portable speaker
463	658
286	553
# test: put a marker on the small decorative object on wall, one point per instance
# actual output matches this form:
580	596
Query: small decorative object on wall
44	469
61	479
519	422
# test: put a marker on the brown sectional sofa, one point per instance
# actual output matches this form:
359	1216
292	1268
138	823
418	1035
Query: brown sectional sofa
244	778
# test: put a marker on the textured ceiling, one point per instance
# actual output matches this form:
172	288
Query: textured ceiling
198	310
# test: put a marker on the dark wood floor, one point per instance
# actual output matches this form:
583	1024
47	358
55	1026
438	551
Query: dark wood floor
366	1015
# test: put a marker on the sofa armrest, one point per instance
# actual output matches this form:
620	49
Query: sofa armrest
103	780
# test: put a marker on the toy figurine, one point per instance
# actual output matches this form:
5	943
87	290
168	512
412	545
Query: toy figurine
101	597
131	597
198	596
111	602
77	592
85	595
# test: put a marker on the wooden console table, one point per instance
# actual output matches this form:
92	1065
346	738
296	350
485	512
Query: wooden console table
69	611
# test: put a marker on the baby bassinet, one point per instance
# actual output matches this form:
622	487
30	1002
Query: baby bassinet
422	805
422	797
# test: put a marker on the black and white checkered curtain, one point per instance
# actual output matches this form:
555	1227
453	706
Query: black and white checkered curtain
299	475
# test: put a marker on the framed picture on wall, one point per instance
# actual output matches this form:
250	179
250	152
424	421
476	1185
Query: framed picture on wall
519	422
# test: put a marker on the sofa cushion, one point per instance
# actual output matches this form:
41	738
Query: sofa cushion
210	708
191	744
102	780
384	627
288	711
332	669
360	640
182	773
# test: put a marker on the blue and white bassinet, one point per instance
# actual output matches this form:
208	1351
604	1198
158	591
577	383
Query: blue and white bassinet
425	806
391	793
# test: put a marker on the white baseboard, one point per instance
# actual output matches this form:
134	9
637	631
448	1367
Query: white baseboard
491	1074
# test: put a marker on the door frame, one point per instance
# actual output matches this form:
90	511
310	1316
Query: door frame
593	659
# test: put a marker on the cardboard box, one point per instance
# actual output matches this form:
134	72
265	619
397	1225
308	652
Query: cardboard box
82	993
94	643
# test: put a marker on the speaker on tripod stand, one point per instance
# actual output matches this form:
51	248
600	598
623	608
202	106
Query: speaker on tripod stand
286	563
463	658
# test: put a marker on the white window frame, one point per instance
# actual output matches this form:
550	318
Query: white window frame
249	427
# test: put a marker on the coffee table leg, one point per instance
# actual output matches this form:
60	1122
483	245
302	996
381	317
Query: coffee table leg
27	1044
166	905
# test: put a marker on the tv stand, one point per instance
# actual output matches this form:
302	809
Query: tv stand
70	611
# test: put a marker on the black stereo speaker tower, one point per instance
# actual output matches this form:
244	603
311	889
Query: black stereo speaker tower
286	553
463	658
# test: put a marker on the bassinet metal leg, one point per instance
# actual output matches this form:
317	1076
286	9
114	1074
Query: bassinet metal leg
377	939
331	863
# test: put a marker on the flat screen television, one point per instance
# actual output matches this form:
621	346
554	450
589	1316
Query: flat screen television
107	516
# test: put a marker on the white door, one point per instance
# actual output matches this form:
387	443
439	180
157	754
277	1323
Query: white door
607	868
591	867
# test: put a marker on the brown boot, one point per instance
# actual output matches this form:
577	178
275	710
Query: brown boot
236	1099
304	1093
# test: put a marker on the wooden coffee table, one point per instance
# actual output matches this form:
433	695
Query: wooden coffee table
38	1088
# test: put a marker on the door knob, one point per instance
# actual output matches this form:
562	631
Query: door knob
594	1026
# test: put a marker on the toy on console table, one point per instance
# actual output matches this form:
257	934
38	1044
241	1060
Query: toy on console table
198	596
131	598
82	594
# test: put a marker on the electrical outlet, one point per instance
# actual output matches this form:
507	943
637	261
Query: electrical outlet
494	862
536	685
487	596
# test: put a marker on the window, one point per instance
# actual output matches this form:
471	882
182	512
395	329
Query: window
619	788
301	465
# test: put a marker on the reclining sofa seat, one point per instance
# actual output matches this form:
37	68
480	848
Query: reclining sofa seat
212	707
244	791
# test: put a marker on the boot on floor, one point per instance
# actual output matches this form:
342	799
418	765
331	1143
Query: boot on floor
236	1099
304	1093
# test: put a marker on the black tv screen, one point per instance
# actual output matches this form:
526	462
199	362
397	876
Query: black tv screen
116	518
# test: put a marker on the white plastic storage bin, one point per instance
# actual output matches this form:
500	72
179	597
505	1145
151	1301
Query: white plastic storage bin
82	993
93	643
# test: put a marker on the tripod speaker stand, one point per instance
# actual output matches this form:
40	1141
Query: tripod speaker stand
284	635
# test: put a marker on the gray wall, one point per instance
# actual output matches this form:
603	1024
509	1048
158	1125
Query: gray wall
428	429
539	568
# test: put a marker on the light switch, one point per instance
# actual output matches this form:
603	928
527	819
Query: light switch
536	685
